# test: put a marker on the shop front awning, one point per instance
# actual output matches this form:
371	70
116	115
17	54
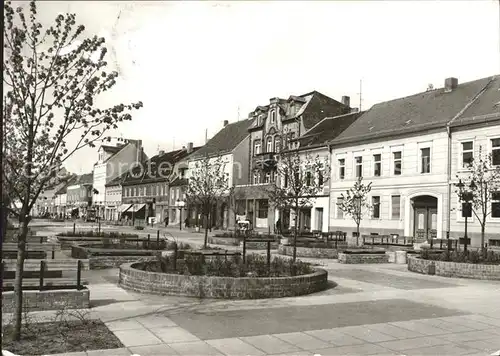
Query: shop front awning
136	208
124	207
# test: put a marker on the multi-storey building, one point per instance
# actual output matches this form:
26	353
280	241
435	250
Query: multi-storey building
112	162
114	206
409	149
79	195
231	145
146	189
291	117
60	198
313	145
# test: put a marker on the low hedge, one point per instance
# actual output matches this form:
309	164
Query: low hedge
255	266
91	233
474	257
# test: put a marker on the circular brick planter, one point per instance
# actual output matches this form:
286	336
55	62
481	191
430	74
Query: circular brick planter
453	269
311	252
220	287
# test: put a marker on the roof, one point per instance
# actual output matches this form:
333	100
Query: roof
69	181
87	178
225	140
177	182
487	105
112	149
159	167
327	129
315	106
422	111
116	181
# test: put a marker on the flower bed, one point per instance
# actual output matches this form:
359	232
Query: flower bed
220	278
354	256
454	269
91	233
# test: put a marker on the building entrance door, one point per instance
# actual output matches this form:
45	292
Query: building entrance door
319	219
425	217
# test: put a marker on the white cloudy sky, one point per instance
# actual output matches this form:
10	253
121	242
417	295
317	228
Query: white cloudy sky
194	63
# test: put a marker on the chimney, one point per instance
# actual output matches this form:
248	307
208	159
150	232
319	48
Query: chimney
225	123
346	100
161	153
189	147
450	84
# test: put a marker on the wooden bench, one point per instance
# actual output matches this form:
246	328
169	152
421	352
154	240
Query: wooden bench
46	273
33	246
393	239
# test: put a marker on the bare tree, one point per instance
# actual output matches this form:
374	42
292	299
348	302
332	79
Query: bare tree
51	78
301	176
479	189
208	183
355	203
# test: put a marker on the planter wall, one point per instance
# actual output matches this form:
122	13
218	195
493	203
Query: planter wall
363	258
34	300
220	287
453	269
99	259
308	252
229	241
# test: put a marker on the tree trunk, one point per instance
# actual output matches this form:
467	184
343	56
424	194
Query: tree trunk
482	237
295	233
357	234
205	242
18	284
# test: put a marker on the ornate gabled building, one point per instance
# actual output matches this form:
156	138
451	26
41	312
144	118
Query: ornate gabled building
282	121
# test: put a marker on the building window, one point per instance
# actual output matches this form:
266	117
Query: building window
377	165
495	151
376	207
308	179
396	207
340	212
267	178
273	176
263	209
256	147
321	179
276	144
425	160
397	157
495	204
359	166
256	178
341	168
269	144
273	117
467	153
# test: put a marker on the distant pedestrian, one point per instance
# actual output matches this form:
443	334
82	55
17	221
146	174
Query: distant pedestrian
166	221
186	222
278	226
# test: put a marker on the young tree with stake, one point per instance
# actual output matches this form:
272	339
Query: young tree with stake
355	203
301	177
208	183
482	182
51	78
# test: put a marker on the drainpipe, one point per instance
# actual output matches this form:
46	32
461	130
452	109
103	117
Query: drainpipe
329	185
448	131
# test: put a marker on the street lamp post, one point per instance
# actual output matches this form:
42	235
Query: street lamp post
180	204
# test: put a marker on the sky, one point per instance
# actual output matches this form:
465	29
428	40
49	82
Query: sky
196	64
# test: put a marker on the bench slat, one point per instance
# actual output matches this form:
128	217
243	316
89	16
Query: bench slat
32	247
35	282
51	265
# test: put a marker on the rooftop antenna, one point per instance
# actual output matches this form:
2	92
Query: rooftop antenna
360	93
206	136
173	143
239	109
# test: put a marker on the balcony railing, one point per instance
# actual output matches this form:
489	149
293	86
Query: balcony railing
265	161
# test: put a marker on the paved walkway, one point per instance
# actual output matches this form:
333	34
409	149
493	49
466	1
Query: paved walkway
370	310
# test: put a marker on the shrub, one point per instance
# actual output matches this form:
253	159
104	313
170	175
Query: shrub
475	257
154	245
137	227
